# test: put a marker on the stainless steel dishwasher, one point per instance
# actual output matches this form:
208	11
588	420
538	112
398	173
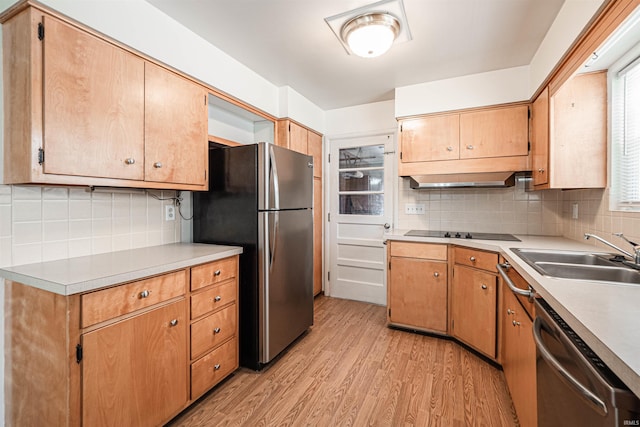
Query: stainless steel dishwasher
574	387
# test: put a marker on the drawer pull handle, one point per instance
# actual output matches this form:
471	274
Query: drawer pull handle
472	259
436	274
217	273
144	294
484	286
216	331
174	322
216	367
217	298
157	165
130	161
469	147
449	148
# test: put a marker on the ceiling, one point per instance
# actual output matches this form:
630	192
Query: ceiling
288	42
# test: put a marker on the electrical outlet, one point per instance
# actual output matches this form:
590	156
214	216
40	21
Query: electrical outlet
574	211
414	209
169	213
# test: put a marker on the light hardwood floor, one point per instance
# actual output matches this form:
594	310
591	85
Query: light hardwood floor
350	369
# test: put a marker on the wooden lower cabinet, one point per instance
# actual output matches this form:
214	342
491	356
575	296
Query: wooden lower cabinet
133	370
519	355
121	356
473	308
417	286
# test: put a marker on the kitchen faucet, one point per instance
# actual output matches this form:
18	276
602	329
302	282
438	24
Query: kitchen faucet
636	248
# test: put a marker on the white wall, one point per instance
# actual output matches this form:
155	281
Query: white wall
569	23
367	118
476	90
297	107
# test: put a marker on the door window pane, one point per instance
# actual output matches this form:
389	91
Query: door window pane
362	157
361	204
367	180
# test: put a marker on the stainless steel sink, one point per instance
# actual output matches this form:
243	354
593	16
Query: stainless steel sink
567	257
597	273
599	267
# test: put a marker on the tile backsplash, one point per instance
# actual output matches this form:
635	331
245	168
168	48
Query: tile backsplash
496	210
48	223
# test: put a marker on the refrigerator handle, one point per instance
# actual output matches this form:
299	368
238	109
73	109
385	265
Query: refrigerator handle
273	241
276	182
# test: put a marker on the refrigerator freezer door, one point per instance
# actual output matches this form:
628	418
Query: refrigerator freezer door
286	278
285	178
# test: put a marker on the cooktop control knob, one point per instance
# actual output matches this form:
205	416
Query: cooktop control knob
468	236
457	234
447	234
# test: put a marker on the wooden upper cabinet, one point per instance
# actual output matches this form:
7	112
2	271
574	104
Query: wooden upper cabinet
176	136
93	108
80	109
578	133
430	138
540	138
501	132
314	148
492	139
297	138
569	134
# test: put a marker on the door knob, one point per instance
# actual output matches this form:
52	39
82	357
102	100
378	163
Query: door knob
387	226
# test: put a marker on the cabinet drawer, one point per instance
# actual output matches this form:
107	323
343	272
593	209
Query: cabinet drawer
214	298
476	258
213	330
109	303
208	371
214	272
419	250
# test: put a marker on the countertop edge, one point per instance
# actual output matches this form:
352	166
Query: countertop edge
182	260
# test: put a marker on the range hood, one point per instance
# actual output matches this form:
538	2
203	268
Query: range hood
464	180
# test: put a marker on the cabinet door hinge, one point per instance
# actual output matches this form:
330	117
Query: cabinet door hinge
389	312
328	216
529	146
329	158
389	265
205	100
79	353
40	31
400	128
401	155
289	127
528	113
40	156
328	276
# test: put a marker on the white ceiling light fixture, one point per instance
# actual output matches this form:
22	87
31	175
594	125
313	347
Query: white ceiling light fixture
371	30
371	34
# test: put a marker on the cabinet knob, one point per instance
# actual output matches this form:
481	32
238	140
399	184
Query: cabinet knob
469	147
217	273
472	259
157	165
174	322
509	312
130	161
144	294
541	170
436	274
514	323
217	298
216	331
449	148
484	286
216	367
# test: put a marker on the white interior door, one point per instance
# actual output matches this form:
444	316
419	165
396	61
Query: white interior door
360	207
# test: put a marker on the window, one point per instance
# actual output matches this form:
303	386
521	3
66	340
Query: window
625	137
361	180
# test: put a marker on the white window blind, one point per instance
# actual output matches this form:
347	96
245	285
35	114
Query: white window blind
625	139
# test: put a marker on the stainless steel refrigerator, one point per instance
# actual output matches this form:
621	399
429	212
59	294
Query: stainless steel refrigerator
261	197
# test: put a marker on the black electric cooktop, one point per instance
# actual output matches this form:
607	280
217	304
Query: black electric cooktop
462	235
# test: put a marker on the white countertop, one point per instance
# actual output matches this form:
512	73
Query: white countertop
87	273
606	316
